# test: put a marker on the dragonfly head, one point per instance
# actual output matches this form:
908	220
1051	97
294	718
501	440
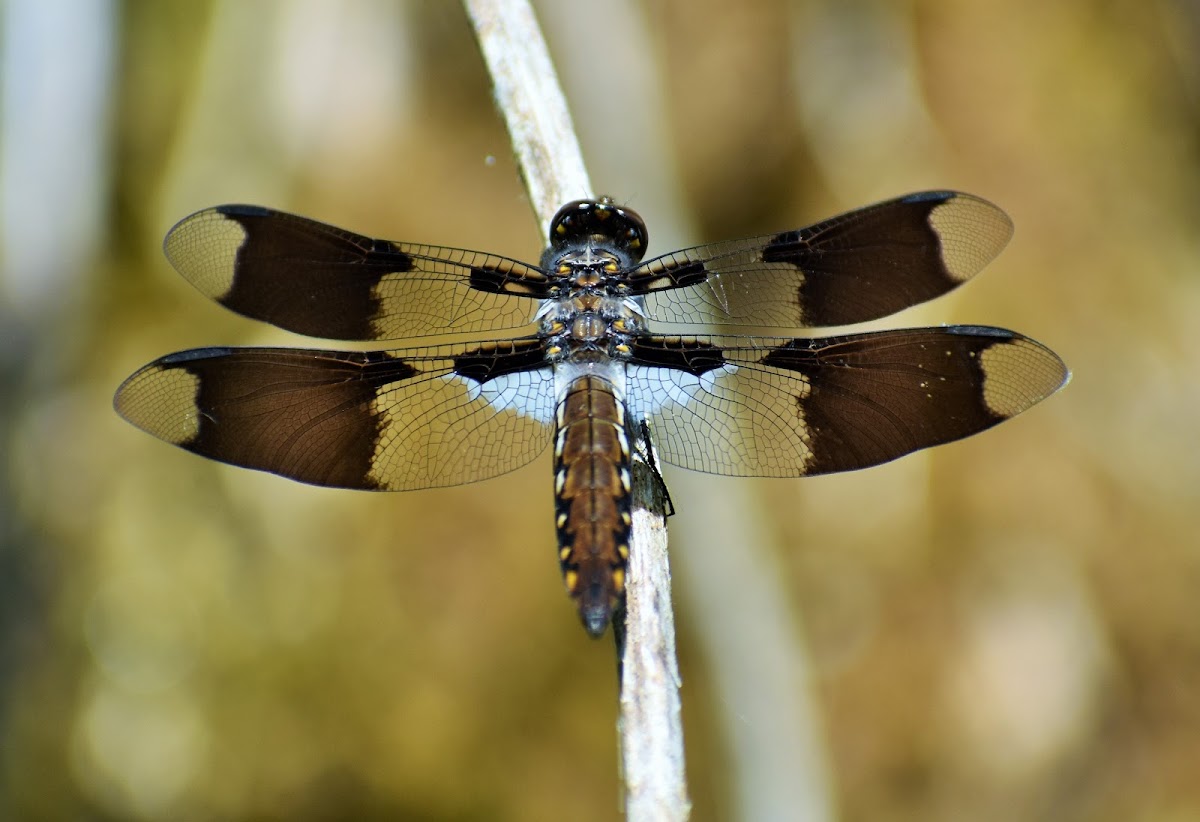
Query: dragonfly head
599	221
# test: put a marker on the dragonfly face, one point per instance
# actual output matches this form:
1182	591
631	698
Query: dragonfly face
595	373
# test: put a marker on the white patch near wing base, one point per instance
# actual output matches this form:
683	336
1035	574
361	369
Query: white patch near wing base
524	392
660	386
446	429
735	420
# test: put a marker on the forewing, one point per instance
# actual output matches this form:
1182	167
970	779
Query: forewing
849	269
315	279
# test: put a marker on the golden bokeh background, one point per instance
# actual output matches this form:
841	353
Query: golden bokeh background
1004	628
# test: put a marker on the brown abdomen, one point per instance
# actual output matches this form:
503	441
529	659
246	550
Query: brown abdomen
591	485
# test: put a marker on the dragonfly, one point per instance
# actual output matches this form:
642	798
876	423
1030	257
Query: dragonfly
598	357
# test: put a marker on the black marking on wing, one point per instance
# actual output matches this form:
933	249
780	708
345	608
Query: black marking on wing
491	360
689	354
323	281
858	266
786	408
503	276
676	270
374	420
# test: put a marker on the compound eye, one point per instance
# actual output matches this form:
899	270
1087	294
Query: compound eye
599	221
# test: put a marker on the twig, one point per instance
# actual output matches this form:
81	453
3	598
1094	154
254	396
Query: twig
535	111
651	734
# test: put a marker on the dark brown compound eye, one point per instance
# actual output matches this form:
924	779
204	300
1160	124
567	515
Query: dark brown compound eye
601	220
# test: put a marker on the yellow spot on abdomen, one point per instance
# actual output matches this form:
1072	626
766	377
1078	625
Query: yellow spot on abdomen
618	578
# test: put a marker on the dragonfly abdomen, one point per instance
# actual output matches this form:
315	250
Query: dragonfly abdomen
592	498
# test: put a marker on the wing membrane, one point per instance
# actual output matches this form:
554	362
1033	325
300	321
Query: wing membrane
743	406
378	420
858	266
315	279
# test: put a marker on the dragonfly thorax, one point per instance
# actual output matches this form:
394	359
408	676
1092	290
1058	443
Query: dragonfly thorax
588	323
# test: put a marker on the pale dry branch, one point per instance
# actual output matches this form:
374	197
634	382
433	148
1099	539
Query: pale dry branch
528	95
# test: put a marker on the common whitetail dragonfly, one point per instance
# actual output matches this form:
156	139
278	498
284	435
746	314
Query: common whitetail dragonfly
592	377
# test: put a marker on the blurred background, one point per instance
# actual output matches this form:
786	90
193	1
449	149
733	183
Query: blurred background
1003	628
